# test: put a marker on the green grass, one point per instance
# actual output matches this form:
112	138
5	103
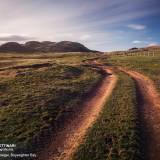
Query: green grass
115	134
149	66
13	64
10	60
34	104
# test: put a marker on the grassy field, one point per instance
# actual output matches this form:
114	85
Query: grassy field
13	64
150	66
115	135
34	103
13	59
39	92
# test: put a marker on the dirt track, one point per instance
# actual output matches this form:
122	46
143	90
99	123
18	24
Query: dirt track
149	104
67	141
64	145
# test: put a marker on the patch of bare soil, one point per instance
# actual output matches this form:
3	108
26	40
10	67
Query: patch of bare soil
69	138
149	105
8	74
12	72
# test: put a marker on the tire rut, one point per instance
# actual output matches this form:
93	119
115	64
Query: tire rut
149	106
65	144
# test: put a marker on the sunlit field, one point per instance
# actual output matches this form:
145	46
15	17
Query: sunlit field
38	94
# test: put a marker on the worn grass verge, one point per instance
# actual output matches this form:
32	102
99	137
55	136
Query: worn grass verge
115	135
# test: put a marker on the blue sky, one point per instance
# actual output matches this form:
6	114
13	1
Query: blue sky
103	25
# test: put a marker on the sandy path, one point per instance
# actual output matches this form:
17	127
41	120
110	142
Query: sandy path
149	104
65	144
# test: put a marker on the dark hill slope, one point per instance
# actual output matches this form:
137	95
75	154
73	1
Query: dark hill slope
45	46
13	47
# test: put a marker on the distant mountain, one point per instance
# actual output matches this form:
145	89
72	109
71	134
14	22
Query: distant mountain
148	48
45	46
13	47
151	48
133	49
154	47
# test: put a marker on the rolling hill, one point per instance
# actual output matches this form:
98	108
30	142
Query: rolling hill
45	46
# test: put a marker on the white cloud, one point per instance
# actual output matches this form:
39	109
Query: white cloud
137	42
146	43
17	38
137	26
85	37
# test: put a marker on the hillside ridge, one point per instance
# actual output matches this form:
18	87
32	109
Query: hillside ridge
44	46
